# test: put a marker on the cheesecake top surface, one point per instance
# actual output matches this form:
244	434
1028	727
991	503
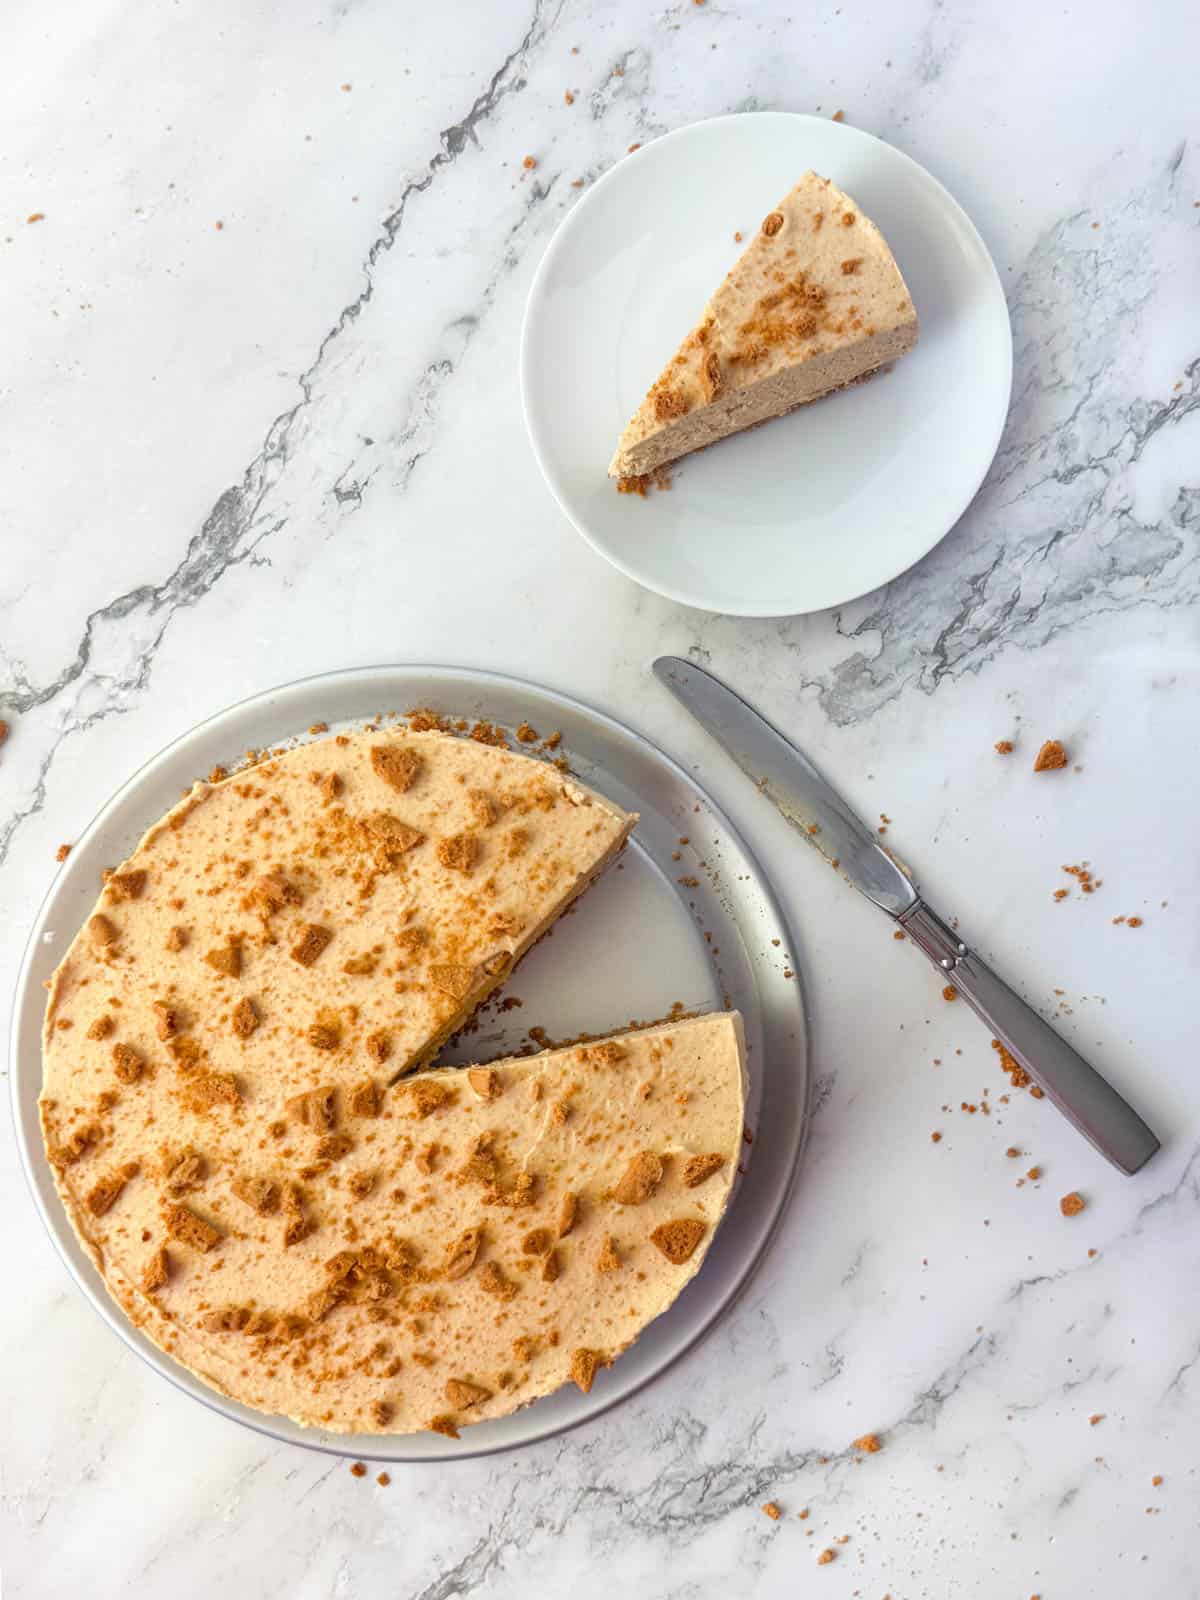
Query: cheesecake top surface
818	277
224	1035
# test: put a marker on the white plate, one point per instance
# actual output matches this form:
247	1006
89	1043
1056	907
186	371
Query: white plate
636	945
814	508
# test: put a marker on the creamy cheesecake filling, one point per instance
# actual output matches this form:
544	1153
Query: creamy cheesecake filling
815	302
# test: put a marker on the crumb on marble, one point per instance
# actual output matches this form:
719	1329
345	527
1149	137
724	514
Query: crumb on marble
1051	757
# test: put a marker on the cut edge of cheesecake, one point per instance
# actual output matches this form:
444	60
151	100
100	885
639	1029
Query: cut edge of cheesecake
815	303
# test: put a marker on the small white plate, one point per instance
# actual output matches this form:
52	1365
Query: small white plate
814	508
701	929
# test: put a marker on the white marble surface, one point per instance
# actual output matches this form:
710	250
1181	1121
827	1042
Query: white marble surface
235	456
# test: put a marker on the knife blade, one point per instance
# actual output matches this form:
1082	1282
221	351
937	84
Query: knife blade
814	808
791	782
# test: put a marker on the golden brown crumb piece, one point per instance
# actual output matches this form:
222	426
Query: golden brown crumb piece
324	1035
1072	1204
167	1020
127	885
568	1211
677	1240
365	1099
260	1194
361	1184
537	1242
156	1271
486	1082
358	1470
936	1137
1034	1174
462	1394
1050	757
608	1260
493	1281
297	1225
1004	747
272	892
184	1224
584	1366
869	1443
79	1142
127	1062
103	1195
551	1267
847	219
949	992
63	851
826	1557
772	1510
396	765
443	1424
184	1171
204	1090
639	1180
1095	1418
430	1095
245	1018
1133	922
698	1169
101	1027
101	931
772	223
851	265
1013	1153
453	979
381	1413
529	163
462	1254
1157	1479
177	938
459	851
317	1108
226	959
605	1055
384	1479
313	940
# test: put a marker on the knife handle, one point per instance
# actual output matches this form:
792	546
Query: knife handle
1076	1088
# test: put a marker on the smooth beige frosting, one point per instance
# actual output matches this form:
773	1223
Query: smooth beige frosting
815	302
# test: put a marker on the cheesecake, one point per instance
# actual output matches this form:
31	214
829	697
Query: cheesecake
814	303
241	1120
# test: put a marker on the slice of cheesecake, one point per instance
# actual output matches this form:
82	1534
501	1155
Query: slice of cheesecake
815	302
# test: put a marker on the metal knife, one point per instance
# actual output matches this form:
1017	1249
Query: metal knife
806	800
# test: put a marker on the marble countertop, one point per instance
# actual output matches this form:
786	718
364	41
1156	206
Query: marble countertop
259	418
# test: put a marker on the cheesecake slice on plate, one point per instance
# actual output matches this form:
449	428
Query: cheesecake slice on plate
815	302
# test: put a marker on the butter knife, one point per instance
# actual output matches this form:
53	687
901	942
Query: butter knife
806	800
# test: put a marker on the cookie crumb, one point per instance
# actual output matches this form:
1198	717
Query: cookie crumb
529	163
1072	1204
826	1557
358	1470
63	851
384	1479
949	992
870	1444
1051	757
1096	1416
1003	747
772	1510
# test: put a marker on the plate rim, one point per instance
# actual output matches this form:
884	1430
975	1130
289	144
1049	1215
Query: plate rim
349	1445
671	591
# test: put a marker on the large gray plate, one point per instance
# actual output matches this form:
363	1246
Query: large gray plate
640	941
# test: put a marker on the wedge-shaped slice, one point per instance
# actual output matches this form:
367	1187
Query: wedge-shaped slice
815	302
493	1233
